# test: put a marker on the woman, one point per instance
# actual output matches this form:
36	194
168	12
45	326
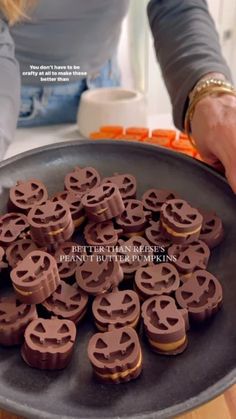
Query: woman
85	33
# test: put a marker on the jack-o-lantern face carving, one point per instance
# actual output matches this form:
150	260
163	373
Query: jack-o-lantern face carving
82	180
74	202
3	264
14	317
165	323
68	258
189	258
51	223
67	302
33	268
17	251
119	308
50	214
36	277
180	216
212	231
12	310
155	235
156	280
201	295
27	193
116	355
134	253
134	218
153	199
11	227
126	183
96	276
103	203
101	234
53	336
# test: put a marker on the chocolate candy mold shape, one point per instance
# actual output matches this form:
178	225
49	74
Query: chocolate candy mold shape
190	257
98	276
101	234
116	355
51	223
25	194
126	183
118	308
156	280
133	254
14	318
155	235
68	258
153	199
49	343
180	222
67	302
12	225
35	278
17	251
82	180
75	205
103	203
134	219
165	325
202	296
212	231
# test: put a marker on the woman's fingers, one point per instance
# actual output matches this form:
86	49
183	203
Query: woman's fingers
214	131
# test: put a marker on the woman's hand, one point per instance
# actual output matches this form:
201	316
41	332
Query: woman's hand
214	132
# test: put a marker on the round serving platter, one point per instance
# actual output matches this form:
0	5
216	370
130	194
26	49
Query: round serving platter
168	385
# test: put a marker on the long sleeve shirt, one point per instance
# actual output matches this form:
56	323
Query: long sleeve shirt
86	33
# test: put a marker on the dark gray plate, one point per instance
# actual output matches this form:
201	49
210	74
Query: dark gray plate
168	386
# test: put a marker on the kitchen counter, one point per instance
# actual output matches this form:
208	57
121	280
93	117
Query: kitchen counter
28	139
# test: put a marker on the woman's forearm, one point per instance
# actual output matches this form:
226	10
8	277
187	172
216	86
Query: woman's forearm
9	87
187	47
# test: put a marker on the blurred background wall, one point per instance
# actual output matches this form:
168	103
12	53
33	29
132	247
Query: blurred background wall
137	57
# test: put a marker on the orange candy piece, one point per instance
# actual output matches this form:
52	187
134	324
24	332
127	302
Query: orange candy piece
182	144
162	141
129	137
101	136
140	131
170	133
113	129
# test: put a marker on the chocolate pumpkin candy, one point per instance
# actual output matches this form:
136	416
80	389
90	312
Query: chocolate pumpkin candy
67	302
51	223
103	203
98	276
14	318
82	180
25	194
156	280
126	183
35	278
165	325
12	225
180	222
49	343
117	308
116	355
201	295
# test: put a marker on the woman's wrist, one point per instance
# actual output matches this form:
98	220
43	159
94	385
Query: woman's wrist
211	84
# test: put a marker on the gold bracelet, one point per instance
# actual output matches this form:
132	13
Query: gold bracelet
206	90
205	83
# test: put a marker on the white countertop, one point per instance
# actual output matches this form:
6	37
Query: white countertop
30	138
